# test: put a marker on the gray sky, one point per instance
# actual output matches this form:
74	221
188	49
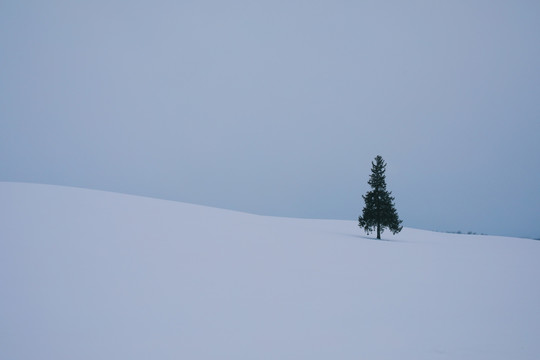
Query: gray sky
279	107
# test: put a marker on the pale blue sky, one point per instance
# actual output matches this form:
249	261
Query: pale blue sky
278	107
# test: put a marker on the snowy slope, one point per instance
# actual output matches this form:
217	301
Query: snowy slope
95	275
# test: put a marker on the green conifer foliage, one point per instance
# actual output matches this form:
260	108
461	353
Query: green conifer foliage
379	211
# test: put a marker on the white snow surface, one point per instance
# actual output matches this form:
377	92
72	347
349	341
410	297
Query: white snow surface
87	274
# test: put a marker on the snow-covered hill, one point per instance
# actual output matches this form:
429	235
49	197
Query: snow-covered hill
95	275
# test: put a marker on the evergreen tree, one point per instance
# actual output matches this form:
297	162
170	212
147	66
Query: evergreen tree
379	211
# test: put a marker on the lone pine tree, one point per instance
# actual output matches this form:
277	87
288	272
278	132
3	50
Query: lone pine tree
379	211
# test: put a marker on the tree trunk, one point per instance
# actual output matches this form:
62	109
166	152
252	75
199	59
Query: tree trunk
379	231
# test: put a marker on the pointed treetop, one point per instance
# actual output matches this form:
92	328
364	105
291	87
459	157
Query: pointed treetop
377	177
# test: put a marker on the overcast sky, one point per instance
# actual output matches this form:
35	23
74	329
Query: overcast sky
279	107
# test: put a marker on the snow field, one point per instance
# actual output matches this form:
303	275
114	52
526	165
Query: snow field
87	274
